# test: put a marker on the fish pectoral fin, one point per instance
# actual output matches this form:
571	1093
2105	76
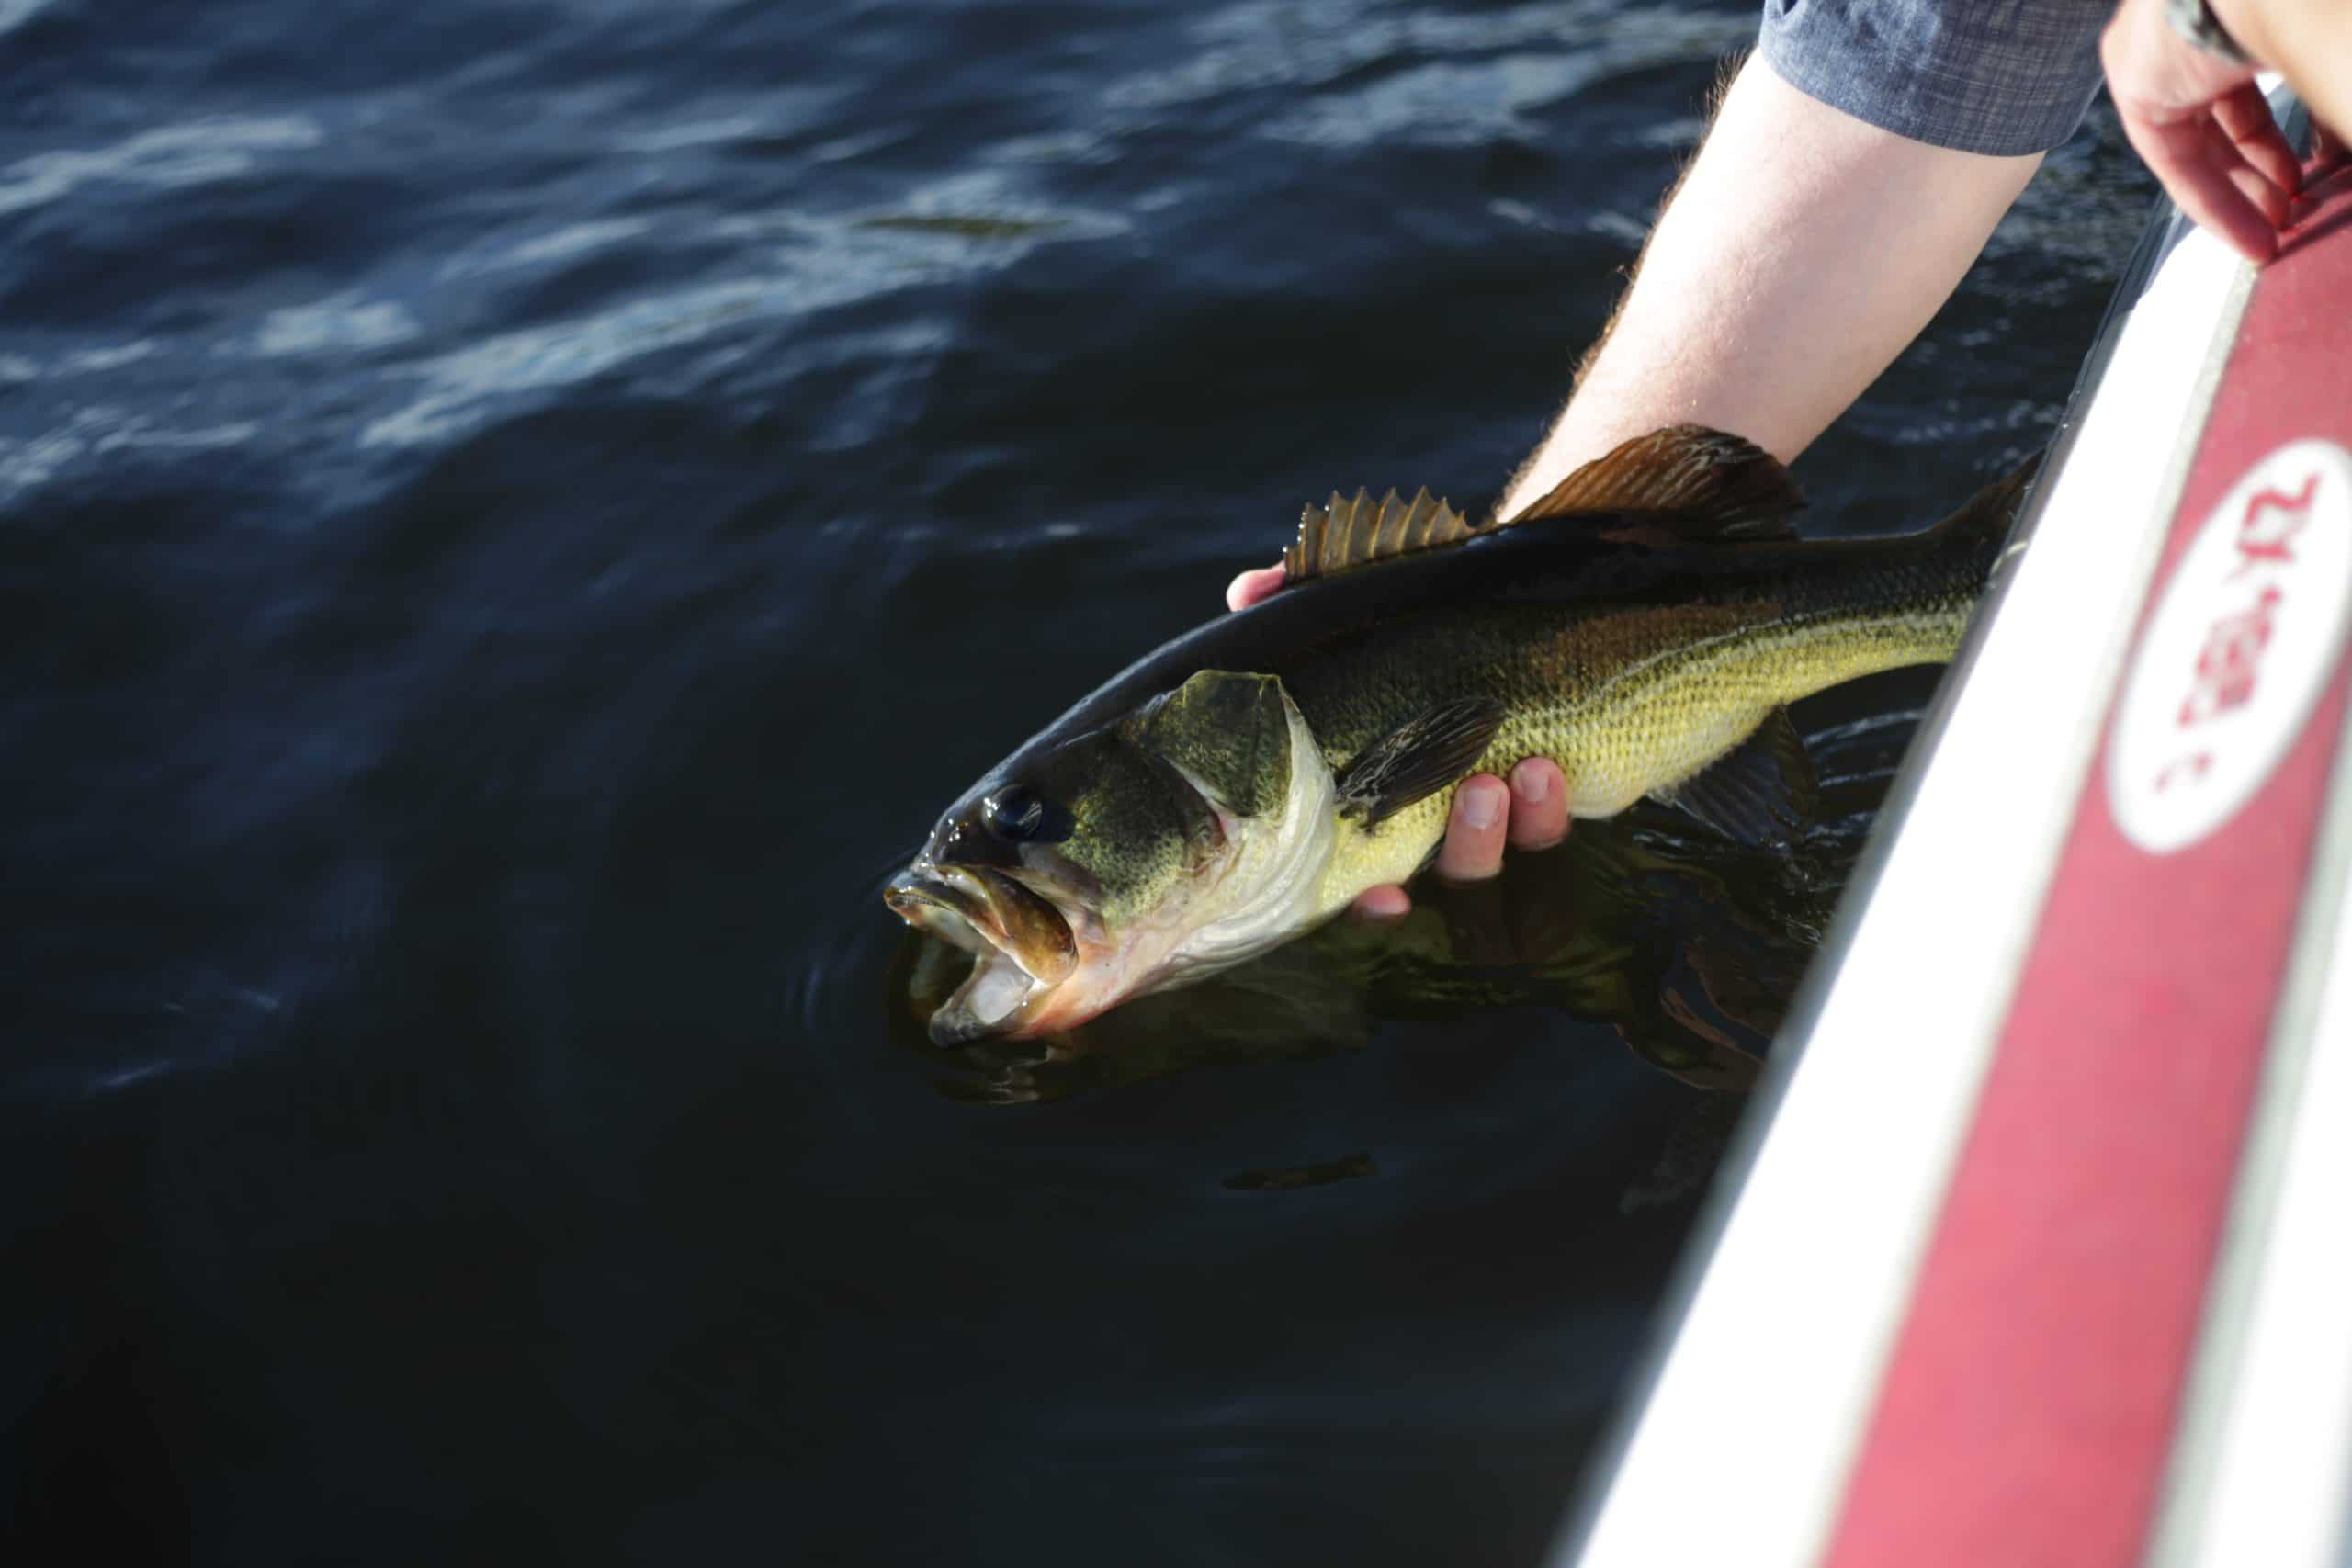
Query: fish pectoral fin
1762	792
1685	482
1427	753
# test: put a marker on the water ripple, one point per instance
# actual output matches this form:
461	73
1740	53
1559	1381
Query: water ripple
960	225
1270	43
100	431
344	321
1446	103
195	153
14	14
776	112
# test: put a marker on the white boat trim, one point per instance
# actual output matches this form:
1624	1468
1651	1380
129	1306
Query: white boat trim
1741	1451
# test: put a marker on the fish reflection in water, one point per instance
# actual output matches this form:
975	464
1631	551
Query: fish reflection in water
1689	946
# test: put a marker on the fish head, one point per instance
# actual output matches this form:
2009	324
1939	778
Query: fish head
1087	869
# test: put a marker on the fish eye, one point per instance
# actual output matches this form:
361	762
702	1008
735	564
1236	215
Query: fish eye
1020	815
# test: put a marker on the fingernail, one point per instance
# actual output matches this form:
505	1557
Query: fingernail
1533	784
1479	808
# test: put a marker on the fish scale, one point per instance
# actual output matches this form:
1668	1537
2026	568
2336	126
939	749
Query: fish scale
1628	704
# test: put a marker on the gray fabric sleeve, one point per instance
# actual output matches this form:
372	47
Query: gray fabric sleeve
1999	76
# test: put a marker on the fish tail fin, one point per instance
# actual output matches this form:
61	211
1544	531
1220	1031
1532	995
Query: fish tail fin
1982	523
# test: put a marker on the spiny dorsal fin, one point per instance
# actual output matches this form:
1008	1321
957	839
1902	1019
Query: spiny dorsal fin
1683	482
1343	534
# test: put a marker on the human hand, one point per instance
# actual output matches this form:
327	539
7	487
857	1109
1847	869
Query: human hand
1531	812
2203	129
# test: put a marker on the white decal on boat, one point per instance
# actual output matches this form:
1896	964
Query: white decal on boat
2238	650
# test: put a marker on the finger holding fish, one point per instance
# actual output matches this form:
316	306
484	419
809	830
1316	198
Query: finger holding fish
1473	850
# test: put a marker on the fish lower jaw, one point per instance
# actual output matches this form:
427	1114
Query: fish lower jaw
993	998
988	1004
1002	1001
1146	963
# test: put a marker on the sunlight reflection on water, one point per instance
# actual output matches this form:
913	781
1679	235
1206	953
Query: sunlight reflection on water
193	153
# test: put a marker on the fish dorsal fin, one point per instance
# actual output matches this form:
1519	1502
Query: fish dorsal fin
1680	484
1684	483
1342	535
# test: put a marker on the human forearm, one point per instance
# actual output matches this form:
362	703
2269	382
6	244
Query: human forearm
1804	250
2309	42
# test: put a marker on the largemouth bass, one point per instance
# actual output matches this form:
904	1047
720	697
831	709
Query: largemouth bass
1644	625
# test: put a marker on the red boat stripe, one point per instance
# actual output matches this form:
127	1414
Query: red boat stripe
2030	1405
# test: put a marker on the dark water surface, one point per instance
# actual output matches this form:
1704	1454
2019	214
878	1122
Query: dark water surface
514	515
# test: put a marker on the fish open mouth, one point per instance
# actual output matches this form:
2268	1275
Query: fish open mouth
1024	944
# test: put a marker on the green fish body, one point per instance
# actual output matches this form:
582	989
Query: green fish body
1650	618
